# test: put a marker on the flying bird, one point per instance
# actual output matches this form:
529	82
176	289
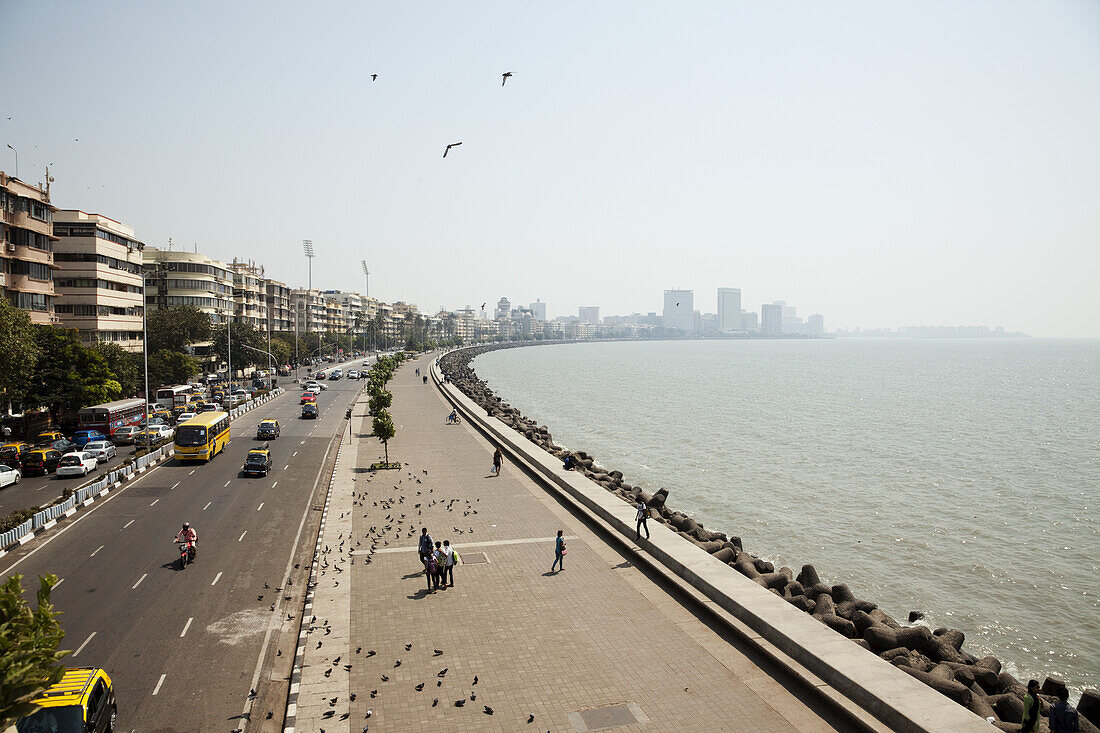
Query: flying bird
452	145
374	77
504	77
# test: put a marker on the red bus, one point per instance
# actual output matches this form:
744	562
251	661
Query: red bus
109	417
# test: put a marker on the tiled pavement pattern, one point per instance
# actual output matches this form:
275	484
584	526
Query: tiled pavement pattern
558	646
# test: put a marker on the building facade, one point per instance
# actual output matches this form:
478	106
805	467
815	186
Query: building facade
175	278
280	315
679	311
729	309
309	311
504	309
26	248
249	294
538	309
589	314
771	319
98	282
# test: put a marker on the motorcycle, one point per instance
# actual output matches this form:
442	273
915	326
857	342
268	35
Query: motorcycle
187	552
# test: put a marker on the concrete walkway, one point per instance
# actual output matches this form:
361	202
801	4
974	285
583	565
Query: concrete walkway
597	646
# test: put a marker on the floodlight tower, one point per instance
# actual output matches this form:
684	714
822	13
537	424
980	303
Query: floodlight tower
307	245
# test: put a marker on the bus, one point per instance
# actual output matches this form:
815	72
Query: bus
110	416
172	397
203	436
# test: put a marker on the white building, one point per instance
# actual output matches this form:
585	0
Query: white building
589	314
538	308
504	309
729	309
679	312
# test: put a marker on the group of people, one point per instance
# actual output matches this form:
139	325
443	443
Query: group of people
438	559
1063	716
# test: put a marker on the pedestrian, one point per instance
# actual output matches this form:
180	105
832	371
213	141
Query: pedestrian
425	547
498	459
440	564
431	570
1033	708
425	379
1063	716
640	521
559	552
449	559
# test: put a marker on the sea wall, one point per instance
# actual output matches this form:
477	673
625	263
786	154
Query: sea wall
935	657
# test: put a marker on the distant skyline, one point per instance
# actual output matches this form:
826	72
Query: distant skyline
884	165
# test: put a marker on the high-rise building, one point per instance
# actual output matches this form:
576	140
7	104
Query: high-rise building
309	311
249	294
679	311
538	309
188	278
816	325
589	314
280	315
750	321
771	319
98	278
504	308
26	248
729	309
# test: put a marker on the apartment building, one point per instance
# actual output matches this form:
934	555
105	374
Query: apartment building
188	278
26	248
280	314
249	294
309	310
98	278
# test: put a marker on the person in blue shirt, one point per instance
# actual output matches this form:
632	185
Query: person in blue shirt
559	552
1063	716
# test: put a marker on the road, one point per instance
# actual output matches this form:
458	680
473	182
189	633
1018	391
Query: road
183	647
33	491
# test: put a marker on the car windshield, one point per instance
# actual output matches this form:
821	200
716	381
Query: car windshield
96	445
8	451
66	719
256	458
190	435
70	461
267	425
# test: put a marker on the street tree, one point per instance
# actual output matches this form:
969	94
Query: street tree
29	638
177	327
125	365
384	430
69	376
170	367
244	335
19	354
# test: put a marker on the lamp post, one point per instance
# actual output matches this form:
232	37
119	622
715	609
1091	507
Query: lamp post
366	279
307	246
16	159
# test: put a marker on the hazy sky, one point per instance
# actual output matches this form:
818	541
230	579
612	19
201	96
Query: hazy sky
881	163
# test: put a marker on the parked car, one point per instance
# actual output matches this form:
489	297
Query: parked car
41	461
11	454
83	437
103	450
79	463
125	435
9	476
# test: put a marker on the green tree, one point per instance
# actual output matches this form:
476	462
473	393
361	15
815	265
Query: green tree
19	353
69	376
244	335
384	430
29	658
380	401
176	327
126	366
170	367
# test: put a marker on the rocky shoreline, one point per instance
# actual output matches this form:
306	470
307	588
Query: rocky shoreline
935	657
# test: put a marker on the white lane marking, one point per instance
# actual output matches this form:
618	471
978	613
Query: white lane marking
302	443
192	471
174	485
286	466
96	551
274	484
226	484
59	582
154	502
294	454
242	535
135	585
128	523
261	506
216	578
186	626
159	683
81	647
207	505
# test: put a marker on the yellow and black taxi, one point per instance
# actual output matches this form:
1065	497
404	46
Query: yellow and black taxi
257	462
41	461
12	454
309	411
47	437
82	702
267	429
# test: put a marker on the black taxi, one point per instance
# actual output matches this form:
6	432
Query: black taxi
82	702
257	462
267	429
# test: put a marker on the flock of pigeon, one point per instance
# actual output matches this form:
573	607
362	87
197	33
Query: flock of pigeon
503	80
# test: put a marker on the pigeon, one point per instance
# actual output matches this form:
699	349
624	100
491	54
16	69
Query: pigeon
385	678
345	716
435	702
443	672
531	718
408	647
328	713
252	692
371	652
397	664
473	696
452	145
475	679
336	661
328	672
352	697
438	652
488	710
420	687
373	693
460	703
358	649
370	712
504	77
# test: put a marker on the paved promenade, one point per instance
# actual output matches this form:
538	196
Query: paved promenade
597	646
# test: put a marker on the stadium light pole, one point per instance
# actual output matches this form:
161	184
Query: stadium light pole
307	246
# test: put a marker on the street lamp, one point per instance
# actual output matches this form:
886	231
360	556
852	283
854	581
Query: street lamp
16	159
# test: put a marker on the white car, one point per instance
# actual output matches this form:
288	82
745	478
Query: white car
78	463
185	416
101	449
232	401
316	386
9	476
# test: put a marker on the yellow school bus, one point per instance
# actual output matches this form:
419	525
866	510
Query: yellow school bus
203	436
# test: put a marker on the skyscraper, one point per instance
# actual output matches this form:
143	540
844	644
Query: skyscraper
589	314
504	308
729	309
538	308
771	319
679	312
816	325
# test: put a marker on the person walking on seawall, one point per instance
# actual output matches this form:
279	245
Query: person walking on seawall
643	515
1063	716
498	459
559	552
449	559
1033	708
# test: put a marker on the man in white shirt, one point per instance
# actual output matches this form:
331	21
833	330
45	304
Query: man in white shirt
448	564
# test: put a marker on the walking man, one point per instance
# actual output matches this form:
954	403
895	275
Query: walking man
425	547
448	564
498	459
559	552
1063	716
643	515
440	565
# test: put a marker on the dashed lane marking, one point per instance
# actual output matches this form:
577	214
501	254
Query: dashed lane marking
216	578
128	523
261	506
186	626
274	484
192	471
81	647
159	683
242	535
174	485
154	502
135	585
207	505
96	551
227	483
59	582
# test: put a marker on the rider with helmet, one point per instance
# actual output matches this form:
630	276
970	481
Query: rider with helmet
187	534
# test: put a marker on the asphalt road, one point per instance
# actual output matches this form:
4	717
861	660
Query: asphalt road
41	490
184	647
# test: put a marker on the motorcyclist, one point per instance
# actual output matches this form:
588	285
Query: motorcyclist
188	534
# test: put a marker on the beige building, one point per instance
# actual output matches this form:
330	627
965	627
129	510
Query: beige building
249	294
188	278
98	280
309	311
280	314
26	248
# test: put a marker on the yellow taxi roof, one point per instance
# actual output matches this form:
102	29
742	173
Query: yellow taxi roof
15	444
72	688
